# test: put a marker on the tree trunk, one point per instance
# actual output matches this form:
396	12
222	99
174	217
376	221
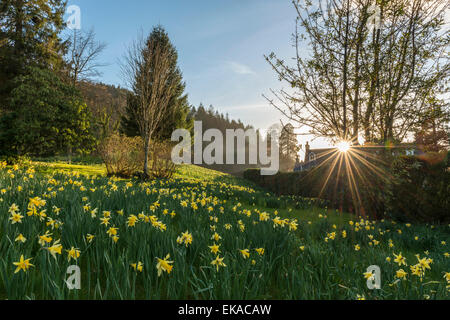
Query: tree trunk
373	87
146	152
357	89
69	154
344	91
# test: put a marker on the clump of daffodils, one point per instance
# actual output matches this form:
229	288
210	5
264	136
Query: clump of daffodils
185	238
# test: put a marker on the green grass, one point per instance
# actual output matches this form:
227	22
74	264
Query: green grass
326	268
183	171
52	167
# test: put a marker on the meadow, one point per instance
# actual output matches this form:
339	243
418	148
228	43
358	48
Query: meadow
200	235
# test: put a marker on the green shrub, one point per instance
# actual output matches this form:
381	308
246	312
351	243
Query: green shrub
413	189
16	159
420	189
46	116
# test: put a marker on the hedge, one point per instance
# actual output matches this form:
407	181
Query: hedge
405	188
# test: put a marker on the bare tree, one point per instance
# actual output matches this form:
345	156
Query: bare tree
146	70
320	85
83	56
410	63
355	80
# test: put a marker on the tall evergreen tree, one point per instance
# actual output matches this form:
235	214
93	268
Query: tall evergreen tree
29	34
176	115
288	142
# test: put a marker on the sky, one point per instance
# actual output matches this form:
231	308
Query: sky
221	46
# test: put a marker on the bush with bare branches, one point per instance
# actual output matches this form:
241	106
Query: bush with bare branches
122	155
162	166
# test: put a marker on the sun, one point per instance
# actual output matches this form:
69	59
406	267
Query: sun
343	146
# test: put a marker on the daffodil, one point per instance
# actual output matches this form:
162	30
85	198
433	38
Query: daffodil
245	253
401	274
447	277
56	248
417	271
164	265
104	221
218	262
15	218
216	237
37	202
293	225
45	238
73	253
369	275
185	238
400	259
214	248
21	238
263	216
131	221
89	237
260	251
23	264
138	266
13	208
424	262
112	231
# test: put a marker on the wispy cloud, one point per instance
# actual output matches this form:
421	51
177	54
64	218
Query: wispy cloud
239	68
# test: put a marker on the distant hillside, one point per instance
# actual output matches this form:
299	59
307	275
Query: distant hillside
102	97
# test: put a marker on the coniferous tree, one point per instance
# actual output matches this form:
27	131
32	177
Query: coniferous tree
29	34
176	115
288	142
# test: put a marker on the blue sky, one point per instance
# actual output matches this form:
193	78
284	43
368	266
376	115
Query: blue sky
221	44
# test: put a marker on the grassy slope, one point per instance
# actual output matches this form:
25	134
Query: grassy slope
193	172
196	173
185	171
315	223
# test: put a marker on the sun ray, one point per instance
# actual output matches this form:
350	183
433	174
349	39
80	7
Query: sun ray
358	165
330	172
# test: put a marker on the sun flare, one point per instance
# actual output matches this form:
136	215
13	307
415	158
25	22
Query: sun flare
343	146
